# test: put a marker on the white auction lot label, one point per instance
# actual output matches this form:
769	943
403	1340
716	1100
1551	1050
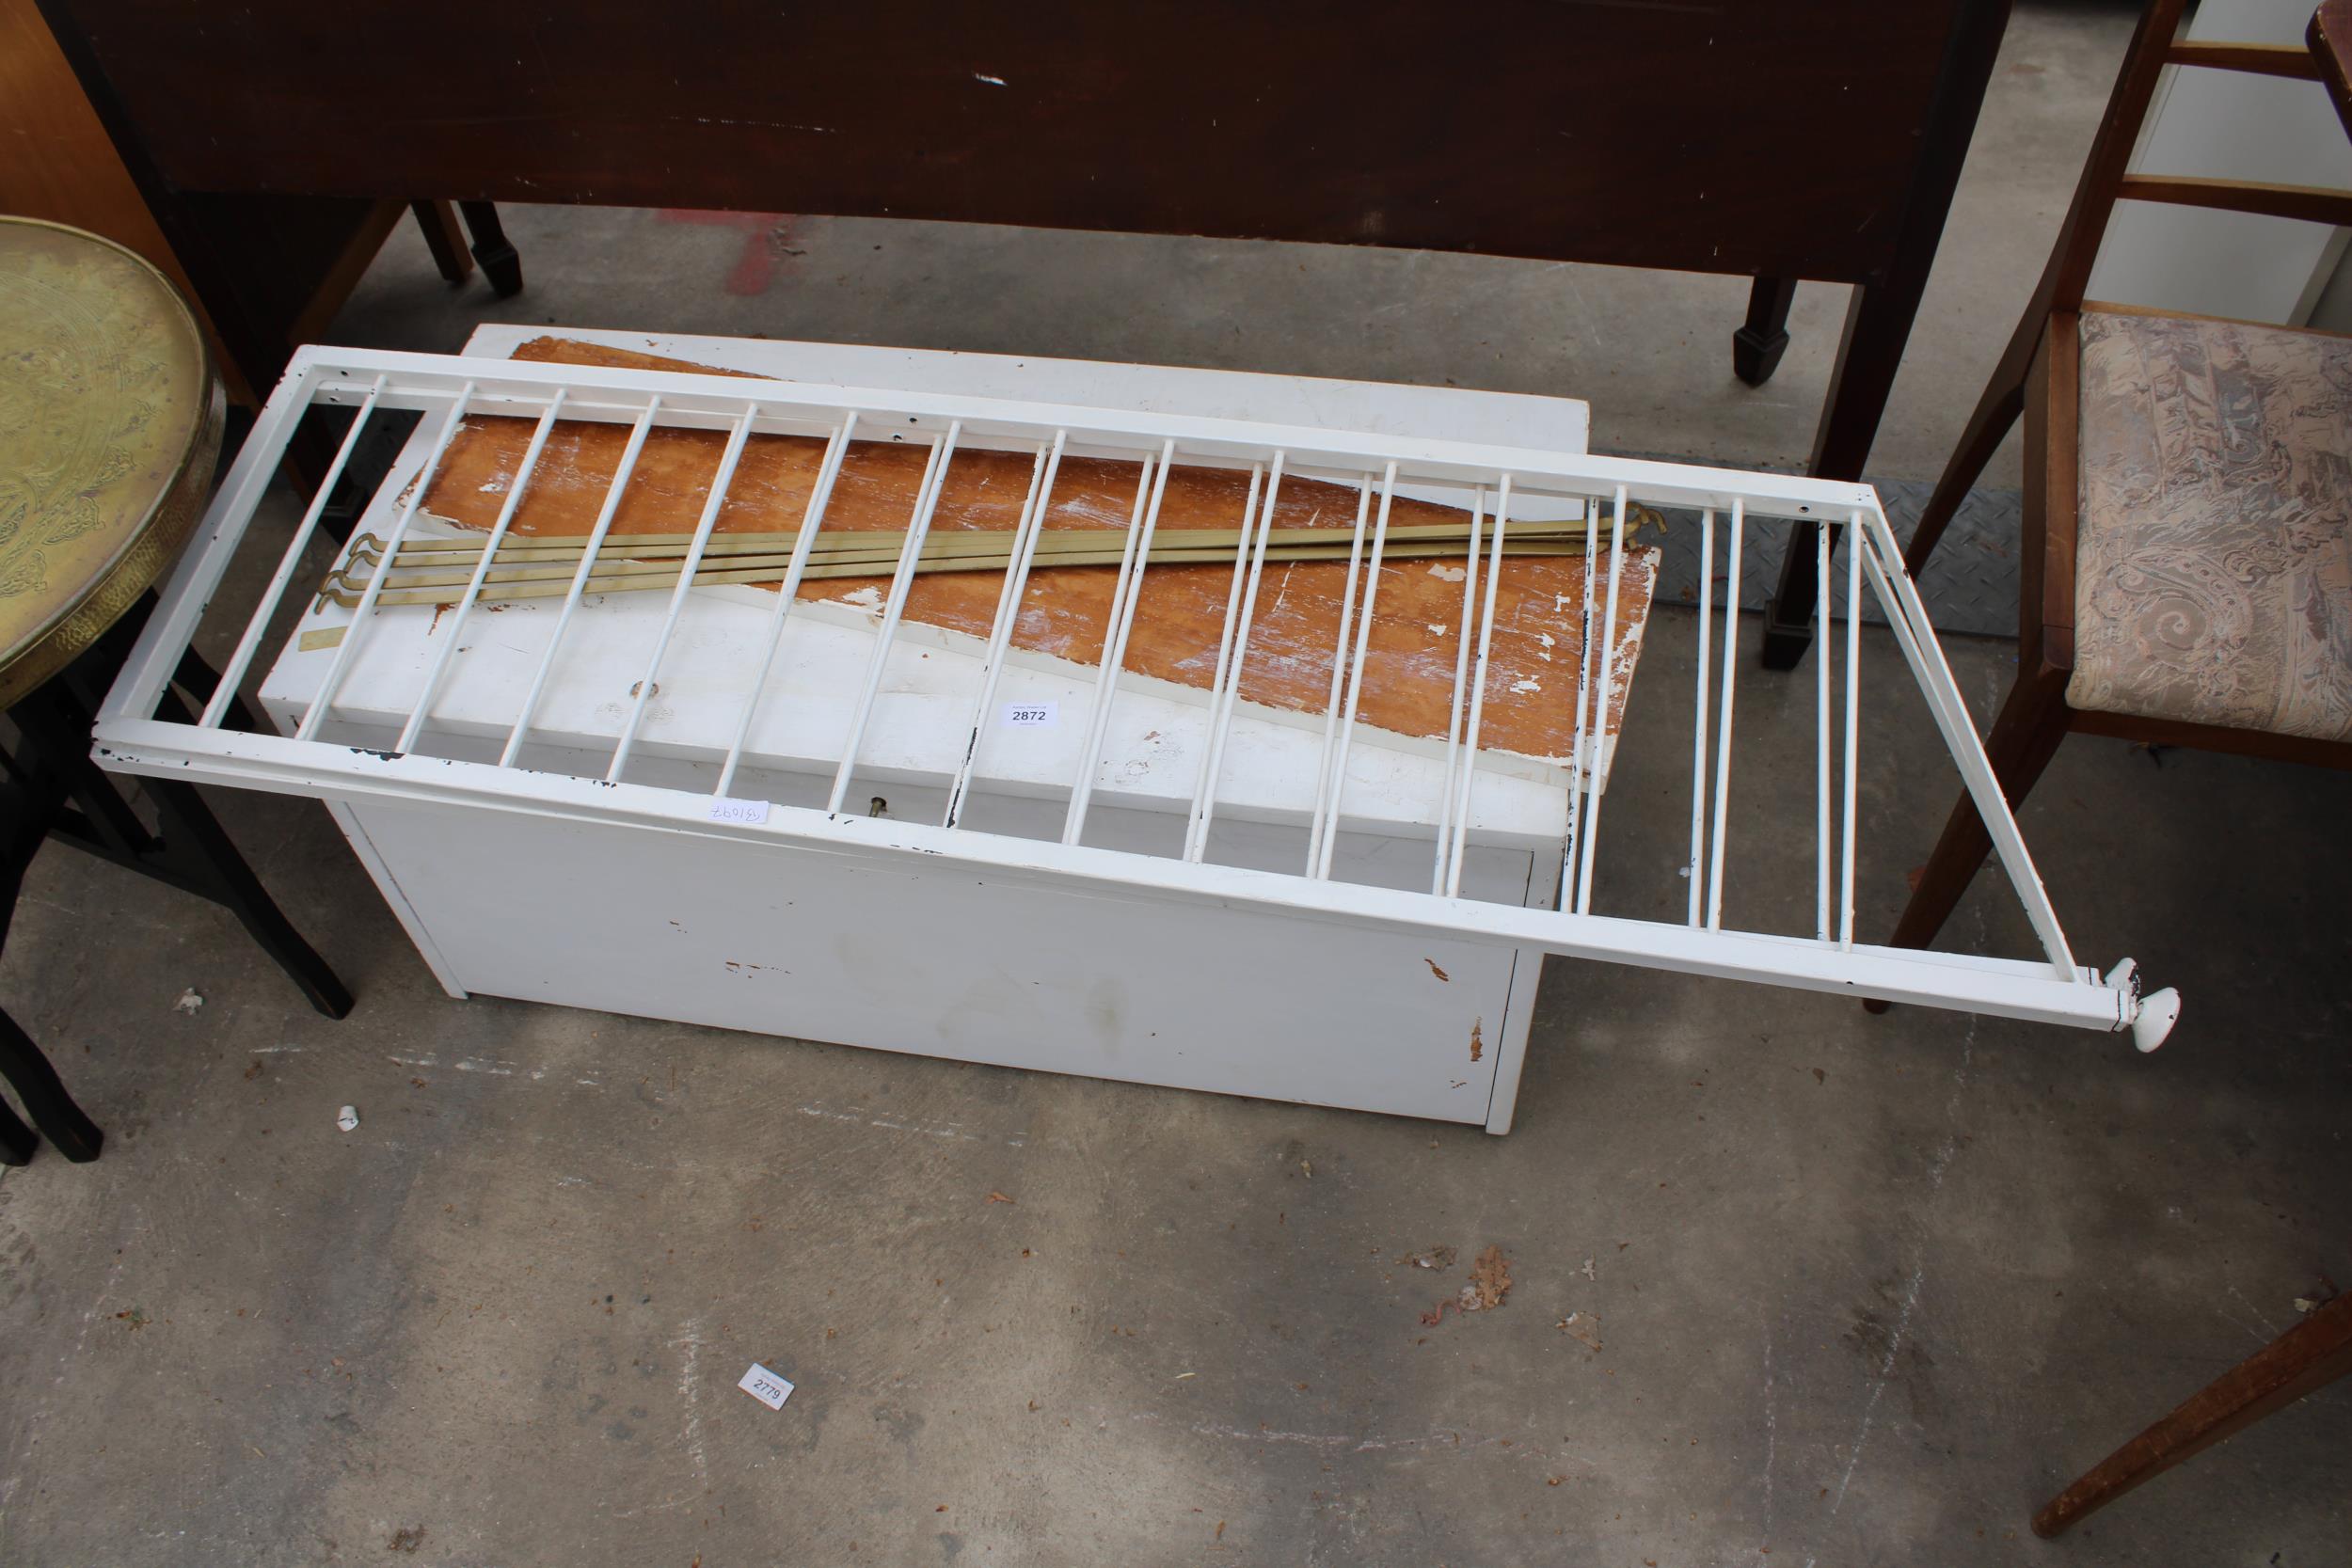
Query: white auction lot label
766	1387
1030	716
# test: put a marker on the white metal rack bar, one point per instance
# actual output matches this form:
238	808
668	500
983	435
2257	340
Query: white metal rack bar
1855	546
1722	725
2050	987
448	649
1909	618
720	482
1461	680
1221	721
819	497
1696	870
1339	676
1583	768
902	583
1329	828
1032	523
605	513
1597	666
1122	619
1225	650
324	702
1821	739
233	674
1478	697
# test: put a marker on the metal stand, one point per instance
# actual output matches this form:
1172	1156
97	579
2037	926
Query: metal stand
50	788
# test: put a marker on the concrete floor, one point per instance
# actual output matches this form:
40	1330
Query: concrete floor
1868	1288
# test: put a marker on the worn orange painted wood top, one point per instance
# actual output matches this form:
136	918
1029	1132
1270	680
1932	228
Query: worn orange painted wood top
1536	658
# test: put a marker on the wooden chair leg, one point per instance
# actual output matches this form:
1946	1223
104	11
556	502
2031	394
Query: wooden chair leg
1996	412
2024	737
2307	1357
442	237
1757	347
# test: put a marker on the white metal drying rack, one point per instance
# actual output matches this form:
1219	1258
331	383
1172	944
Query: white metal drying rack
1489	482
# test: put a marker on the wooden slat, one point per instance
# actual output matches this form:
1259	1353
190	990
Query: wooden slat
2262	59
2308	203
2046	536
1409	677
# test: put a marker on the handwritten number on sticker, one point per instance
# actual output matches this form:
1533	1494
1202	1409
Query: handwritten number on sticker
727	809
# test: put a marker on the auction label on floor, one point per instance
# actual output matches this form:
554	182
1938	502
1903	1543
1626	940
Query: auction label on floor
766	1387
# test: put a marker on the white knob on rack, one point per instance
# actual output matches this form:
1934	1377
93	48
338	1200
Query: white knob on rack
2158	1012
2151	1017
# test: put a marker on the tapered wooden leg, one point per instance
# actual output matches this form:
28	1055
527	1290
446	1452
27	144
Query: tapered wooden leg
500	261
2307	1357
1877	323
1757	347
444	238
2024	737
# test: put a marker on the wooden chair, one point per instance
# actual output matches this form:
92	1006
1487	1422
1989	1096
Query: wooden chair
2188	498
2188	485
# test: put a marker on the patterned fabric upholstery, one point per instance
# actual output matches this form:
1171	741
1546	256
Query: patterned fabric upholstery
2214	559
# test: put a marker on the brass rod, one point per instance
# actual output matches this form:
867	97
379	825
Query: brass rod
881	561
369	548
430	588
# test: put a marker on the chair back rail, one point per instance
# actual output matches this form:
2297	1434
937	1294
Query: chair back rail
2106	178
